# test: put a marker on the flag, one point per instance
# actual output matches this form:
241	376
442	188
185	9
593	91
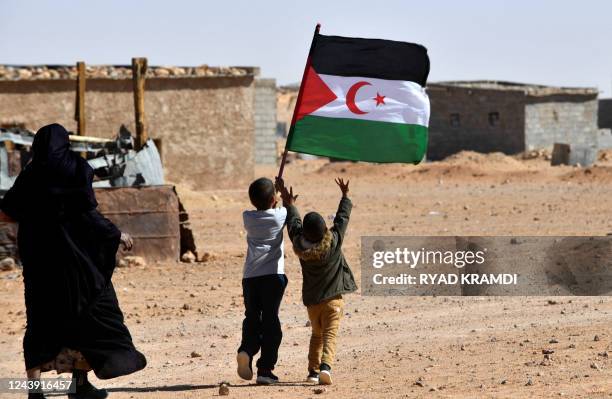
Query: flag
363	100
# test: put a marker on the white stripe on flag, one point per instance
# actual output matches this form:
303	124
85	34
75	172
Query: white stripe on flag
404	101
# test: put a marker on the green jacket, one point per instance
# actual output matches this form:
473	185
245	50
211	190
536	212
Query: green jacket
324	270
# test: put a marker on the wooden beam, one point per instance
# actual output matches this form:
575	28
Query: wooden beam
80	99
89	139
139	71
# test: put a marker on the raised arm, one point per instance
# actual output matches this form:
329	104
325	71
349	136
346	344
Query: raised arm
344	209
294	222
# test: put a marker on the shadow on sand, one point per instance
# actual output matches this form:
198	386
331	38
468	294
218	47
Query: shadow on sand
189	387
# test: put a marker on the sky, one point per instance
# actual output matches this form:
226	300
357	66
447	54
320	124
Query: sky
562	43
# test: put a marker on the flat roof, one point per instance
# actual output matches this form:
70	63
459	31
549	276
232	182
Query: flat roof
527	88
62	72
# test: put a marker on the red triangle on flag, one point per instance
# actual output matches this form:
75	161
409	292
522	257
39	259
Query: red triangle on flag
315	94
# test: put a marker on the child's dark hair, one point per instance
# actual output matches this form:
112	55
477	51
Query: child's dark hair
314	227
261	193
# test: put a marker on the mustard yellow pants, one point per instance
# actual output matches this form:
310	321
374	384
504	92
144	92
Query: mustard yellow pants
325	321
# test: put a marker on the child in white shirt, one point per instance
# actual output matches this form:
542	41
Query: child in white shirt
263	283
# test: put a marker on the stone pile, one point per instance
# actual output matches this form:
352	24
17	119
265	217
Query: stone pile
44	72
545	154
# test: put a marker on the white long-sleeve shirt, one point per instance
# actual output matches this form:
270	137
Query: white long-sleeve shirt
265	252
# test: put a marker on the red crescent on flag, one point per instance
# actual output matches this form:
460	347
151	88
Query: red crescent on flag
350	97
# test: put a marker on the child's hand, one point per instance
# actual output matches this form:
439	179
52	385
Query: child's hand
279	183
344	187
286	195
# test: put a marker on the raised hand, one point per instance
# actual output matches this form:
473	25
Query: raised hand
279	183
286	195
344	187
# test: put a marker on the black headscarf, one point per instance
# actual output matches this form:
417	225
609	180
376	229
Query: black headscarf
56	182
51	154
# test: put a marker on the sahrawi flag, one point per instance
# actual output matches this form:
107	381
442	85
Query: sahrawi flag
363	100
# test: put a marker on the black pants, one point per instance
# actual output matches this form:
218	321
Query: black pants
261	328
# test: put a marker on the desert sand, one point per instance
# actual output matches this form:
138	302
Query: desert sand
187	318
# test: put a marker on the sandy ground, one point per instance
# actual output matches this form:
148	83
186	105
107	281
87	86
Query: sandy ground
404	347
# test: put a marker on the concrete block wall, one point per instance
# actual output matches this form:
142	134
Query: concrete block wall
265	121
525	118
561	119
605	139
474	130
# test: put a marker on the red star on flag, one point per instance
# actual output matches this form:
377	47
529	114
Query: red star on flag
379	99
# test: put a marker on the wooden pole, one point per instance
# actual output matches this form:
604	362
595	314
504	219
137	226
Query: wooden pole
80	100
139	71
298	102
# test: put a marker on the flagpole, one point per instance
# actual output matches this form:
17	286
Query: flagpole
298	102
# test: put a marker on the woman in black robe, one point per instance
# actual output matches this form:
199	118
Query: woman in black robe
68	250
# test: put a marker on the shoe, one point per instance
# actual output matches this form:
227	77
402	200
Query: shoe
325	375
265	377
313	376
245	370
84	389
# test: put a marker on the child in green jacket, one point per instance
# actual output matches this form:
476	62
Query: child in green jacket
326	276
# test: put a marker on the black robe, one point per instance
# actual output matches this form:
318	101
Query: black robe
68	250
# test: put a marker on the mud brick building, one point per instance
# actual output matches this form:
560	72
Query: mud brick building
212	123
488	116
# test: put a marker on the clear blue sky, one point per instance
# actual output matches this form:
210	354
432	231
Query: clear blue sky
567	43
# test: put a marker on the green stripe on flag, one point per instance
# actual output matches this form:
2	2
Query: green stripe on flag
359	140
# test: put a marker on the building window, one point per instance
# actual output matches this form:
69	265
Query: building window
455	120
493	118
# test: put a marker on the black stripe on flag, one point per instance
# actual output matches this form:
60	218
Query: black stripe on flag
373	58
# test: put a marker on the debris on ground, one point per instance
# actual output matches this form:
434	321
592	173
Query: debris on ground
206	257
7	264
224	388
131	261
